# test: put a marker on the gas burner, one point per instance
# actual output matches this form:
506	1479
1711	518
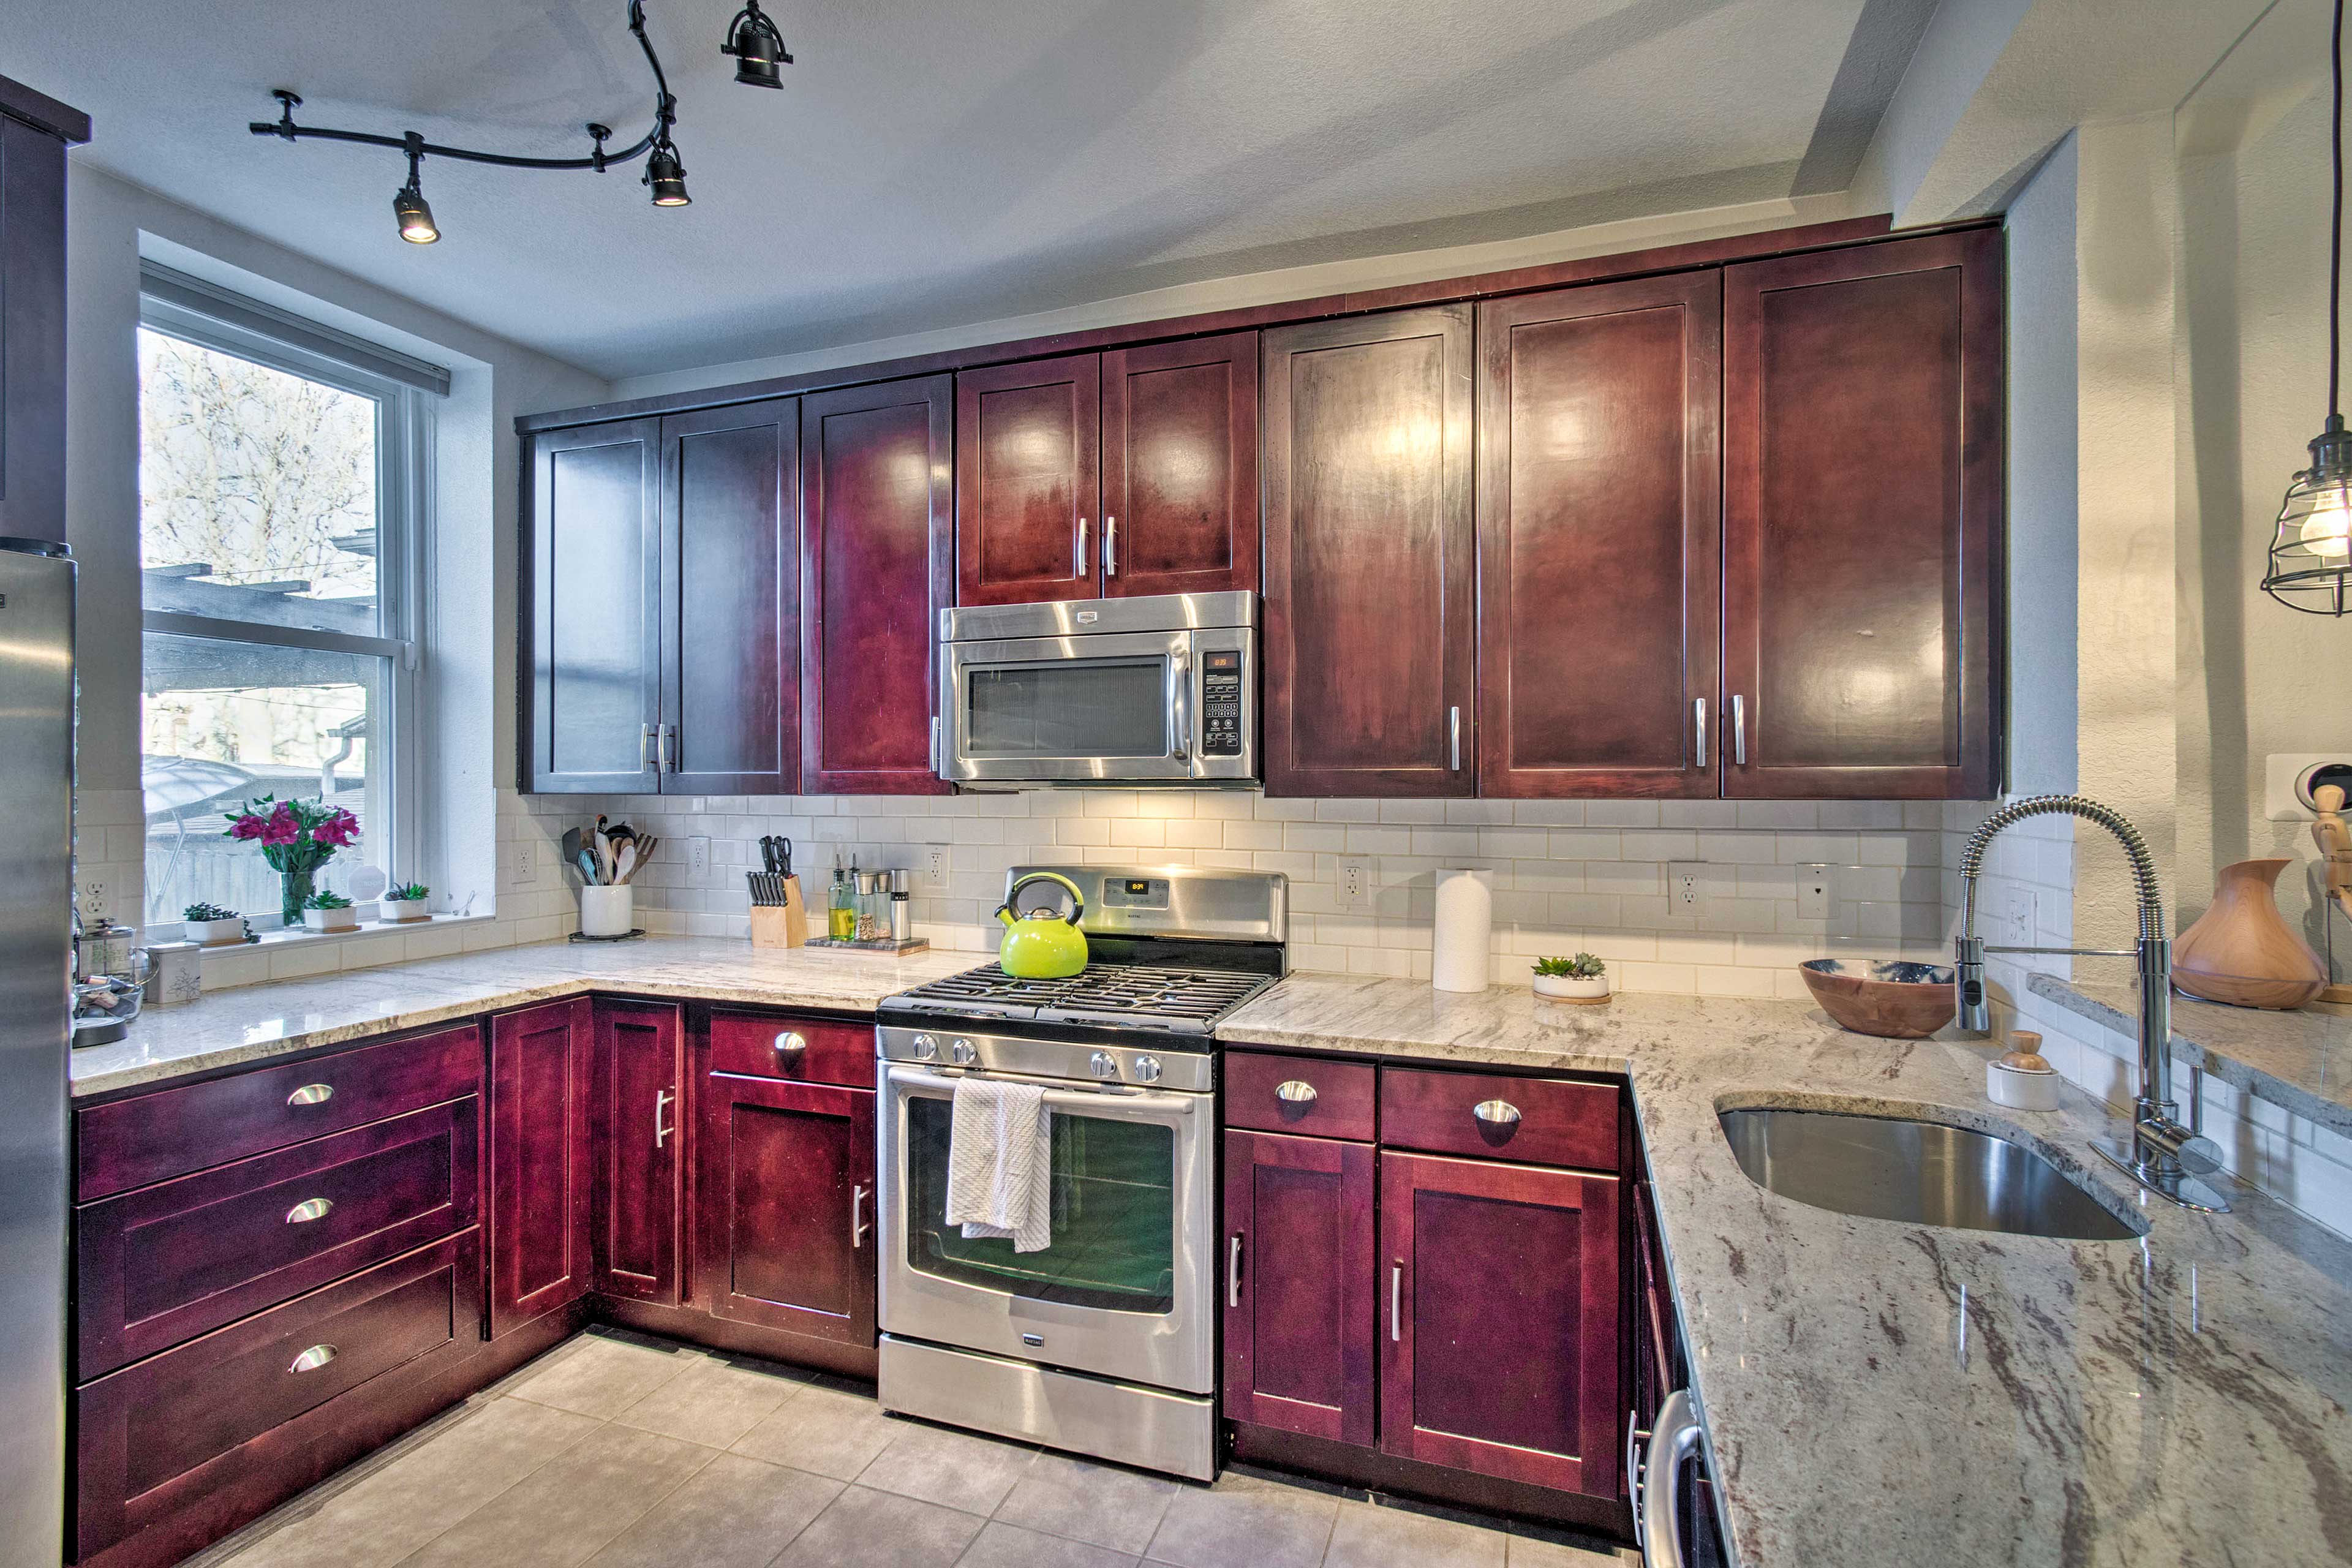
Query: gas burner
1183	1000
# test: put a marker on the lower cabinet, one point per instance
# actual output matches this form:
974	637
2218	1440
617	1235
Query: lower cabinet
784	1220
1298	1285
637	1130
1500	1352
541	1077
1428	1321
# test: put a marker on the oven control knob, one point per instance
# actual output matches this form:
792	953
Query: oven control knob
1105	1063
1147	1069
927	1049
963	1053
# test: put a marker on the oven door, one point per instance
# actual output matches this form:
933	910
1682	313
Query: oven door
1105	707
1123	1292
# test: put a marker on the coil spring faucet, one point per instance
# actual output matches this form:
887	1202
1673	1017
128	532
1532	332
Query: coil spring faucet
2161	1155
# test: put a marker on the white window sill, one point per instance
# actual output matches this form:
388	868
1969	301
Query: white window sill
302	939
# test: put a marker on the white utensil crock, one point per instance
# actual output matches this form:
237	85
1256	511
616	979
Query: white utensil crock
605	911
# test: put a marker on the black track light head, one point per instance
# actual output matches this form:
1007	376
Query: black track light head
666	177
409	207
757	47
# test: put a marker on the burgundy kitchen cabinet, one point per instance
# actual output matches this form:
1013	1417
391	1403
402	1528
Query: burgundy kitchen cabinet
1028	481
1370	646
1862	478
541	1171
784	1191
1179	468
876	565
639	1199
1599	529
1299	1269
34	132
730	603
1500	1290
595	613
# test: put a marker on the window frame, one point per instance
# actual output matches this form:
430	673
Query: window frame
404	446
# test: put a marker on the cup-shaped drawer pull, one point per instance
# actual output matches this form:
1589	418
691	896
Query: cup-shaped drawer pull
1495	1112
1293	1092
312	1094
310	1209
314	1358
792	1043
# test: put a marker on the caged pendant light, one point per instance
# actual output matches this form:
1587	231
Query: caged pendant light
751	39
2311	553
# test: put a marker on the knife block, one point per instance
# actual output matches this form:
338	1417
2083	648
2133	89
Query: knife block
781	925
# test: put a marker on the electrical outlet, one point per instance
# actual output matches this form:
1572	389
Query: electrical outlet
92	902
522	863
1685	883
697	859
1355	884
2017	917
935	868
1816	886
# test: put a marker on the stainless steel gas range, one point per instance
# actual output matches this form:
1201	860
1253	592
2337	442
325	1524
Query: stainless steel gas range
1104	1342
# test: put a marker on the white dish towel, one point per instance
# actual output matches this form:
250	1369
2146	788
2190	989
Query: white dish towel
1000	1163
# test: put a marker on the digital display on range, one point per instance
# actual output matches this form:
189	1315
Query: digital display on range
1221	704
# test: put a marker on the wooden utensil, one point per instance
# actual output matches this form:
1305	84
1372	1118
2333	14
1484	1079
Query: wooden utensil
624	864
2335	841
645	848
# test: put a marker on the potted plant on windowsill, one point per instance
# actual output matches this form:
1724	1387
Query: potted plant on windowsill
212	926
328	911
296	837
405	902
1583	978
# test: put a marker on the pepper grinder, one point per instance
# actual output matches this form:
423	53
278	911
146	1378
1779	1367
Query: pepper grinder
902	904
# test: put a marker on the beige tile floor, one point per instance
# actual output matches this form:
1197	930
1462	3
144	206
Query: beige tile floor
616	1451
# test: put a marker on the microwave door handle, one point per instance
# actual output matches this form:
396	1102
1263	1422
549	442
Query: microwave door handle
1180	677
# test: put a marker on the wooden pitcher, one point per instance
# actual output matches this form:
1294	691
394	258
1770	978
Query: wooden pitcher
2241	950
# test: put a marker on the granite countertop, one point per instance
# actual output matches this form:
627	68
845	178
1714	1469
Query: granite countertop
248	1023
2301	1061
1881	1393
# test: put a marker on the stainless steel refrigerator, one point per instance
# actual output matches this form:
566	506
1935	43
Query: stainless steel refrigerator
37	718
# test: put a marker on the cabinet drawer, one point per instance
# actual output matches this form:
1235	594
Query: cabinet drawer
154	1137
171	1261
759	1046
1559	1122
249	1404
1340	1105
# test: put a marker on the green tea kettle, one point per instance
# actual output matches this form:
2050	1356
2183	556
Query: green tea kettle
1041	945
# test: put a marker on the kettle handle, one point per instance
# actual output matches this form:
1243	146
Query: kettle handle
1012	895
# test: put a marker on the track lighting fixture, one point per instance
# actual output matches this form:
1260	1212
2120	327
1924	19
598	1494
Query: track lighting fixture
751	39
757	47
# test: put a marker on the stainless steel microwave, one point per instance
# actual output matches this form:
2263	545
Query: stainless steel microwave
1153	691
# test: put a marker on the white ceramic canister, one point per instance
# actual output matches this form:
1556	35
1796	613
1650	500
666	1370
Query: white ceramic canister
606	912
1462	941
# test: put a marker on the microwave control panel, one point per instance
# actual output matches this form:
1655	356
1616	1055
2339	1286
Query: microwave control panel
1221	704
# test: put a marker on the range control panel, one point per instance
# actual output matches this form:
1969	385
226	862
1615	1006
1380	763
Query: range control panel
1221	704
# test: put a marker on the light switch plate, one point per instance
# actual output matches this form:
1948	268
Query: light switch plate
2019	916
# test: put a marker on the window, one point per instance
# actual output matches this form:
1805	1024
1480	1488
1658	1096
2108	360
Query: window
281	485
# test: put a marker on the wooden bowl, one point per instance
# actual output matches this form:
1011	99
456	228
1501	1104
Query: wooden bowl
1893	1001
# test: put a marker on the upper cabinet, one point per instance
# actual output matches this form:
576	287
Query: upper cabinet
1179	468
878	565
1863	476
1598	530
1102	476
34	132
665	626
1370	556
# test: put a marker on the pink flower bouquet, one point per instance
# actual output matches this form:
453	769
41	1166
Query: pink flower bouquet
296	837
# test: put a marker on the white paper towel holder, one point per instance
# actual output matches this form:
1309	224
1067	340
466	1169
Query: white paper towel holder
1462	934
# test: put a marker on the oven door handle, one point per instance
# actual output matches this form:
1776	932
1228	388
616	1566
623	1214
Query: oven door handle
1098	1104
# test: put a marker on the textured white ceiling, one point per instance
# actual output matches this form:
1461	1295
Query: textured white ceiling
932	162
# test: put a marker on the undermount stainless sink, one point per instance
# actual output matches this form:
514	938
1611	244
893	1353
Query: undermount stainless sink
1921	1173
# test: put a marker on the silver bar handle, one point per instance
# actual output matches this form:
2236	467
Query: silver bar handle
661	1103
1633	1436
1095	1102
1739	730
857	1225
1110	546
1234	1272
1396	1301
1079	560
1454	737
1180	676
934	745
1698	732
1675	1435
645	745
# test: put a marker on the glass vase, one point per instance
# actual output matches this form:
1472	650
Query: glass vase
296	890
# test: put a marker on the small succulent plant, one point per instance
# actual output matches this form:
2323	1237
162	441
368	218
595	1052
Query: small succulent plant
207	913
410	892
1583	966
324	900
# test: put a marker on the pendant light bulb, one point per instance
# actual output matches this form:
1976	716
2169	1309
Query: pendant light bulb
758	49
666	177
2310	564
413	213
